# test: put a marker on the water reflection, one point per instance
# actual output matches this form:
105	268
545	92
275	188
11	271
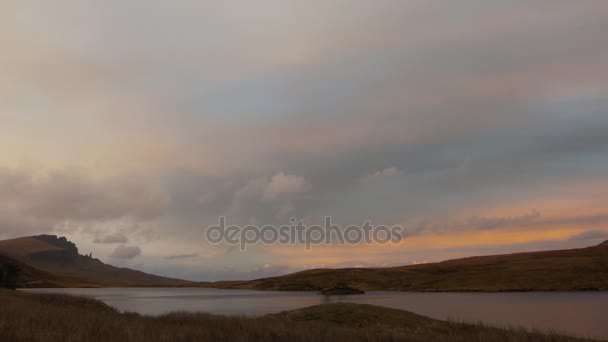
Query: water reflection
581	313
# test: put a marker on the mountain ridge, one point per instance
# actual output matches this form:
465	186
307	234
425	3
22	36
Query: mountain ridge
51	261
581	269
63	266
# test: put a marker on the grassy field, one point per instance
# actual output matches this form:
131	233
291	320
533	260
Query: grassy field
37	317
583	269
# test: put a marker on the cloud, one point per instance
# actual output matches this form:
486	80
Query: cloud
73	195
111	238
126	252
269	198
584	220
590	235
279	186
285	210
416	262
484	223
389	172
284	185
253	189
182	256
460	107
269	270
15	225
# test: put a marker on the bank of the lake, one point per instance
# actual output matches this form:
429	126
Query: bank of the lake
44	317
544	311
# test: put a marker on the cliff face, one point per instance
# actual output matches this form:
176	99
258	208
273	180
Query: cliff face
60	242
66	252
59	257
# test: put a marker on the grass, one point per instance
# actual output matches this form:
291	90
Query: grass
584	269
39	317
24	246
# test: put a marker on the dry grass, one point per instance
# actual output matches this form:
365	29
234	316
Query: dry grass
25	246
34	317
581	269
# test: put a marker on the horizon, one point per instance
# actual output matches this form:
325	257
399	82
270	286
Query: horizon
480	128
603	243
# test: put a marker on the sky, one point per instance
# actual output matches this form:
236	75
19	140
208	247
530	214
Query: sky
480	127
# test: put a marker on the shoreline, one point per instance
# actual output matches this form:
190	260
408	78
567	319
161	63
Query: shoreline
72	316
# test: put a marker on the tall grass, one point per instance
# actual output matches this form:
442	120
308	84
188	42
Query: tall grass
35	317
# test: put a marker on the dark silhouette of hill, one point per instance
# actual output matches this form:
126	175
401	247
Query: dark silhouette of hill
56	261
15	274
583	269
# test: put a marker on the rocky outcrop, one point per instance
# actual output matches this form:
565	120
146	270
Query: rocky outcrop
66	252
60	242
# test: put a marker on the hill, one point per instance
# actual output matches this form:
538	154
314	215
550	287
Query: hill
584	269
35	317
52	260
14	273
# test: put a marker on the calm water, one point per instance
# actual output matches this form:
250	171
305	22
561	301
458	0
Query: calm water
583	313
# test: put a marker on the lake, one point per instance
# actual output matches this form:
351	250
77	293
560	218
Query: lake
579	313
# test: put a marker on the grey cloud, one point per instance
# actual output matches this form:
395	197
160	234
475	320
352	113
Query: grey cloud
40	202
182	256
64	195
593	219
284	185
111	238
532	219
126	252
388	172
16	225
268	198
278	186
484	223
590	235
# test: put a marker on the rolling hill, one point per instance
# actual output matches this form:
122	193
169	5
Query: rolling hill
584	269
51	261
